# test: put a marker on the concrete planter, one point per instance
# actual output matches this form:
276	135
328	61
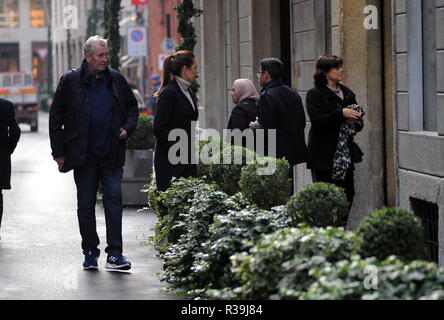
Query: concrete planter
136	173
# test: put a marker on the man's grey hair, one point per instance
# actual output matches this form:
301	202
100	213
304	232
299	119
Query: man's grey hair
94	41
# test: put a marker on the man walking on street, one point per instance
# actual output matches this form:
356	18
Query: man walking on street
281	109
9	136
94	111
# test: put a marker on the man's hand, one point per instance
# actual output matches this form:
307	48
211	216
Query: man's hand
123	134
60	162
253	123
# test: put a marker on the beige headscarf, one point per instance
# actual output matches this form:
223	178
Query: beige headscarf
244	89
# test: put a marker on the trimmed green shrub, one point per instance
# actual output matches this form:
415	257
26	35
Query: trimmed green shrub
391	231
370	279
196	220
208	147
264	187
143	137
226	166
278	266
235	232
319	205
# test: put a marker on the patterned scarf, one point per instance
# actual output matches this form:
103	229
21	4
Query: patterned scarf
342	159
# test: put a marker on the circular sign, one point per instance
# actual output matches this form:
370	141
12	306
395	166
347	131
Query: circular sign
170	44
137	35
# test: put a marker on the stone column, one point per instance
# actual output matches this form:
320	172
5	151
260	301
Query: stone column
362	53
212	78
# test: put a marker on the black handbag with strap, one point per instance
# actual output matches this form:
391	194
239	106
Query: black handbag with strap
356	153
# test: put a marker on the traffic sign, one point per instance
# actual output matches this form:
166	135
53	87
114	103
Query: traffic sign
137	42
139	2
168	45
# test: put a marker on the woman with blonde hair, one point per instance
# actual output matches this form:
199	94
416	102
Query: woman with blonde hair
245	96
176	109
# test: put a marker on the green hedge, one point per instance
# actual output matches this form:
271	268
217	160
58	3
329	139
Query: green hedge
278	266
226	166
389	232
143	137
223	247
235	232
266	190
171	206
179	258
319	205
208	147
371	279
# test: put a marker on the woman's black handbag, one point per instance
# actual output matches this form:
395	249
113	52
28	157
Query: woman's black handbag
355	153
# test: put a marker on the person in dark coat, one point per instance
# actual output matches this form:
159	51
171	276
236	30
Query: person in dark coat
152	100
245	96
327	107
281	109
9	137
176	109
93	113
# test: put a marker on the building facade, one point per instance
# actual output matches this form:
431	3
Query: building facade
69	20
162	32
24	38
394	62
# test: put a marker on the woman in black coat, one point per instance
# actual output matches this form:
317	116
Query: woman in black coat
9	136
245	96
176	109
335	119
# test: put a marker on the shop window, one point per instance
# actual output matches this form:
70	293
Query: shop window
9	57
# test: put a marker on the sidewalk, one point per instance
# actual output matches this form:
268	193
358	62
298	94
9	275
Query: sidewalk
40	252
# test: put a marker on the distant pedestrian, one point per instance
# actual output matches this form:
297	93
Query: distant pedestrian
281	109
9	136
152	99
93	113
335	119
177	109
245	96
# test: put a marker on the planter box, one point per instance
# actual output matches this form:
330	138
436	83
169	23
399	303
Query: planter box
136	173
138	164
131	195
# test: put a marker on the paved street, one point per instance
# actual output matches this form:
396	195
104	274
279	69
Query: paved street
40	254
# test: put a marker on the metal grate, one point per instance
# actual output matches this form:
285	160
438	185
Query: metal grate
428	212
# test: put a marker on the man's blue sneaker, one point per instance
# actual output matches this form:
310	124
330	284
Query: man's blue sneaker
117	262
90	262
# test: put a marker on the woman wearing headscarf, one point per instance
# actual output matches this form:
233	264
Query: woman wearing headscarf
245	96
176	109
335	119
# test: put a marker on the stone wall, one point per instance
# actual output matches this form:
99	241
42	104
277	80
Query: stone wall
419	105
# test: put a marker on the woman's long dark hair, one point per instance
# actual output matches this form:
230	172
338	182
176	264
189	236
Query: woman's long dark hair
173	66
323	66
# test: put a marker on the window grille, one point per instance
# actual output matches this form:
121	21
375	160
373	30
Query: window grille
428	213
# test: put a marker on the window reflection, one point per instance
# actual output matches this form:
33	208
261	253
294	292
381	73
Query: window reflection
39	13
9	14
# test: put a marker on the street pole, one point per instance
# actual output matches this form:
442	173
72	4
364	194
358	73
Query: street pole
140	21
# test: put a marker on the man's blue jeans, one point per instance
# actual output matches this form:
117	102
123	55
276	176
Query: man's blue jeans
87	180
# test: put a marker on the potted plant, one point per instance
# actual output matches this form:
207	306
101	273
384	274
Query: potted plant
139	162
